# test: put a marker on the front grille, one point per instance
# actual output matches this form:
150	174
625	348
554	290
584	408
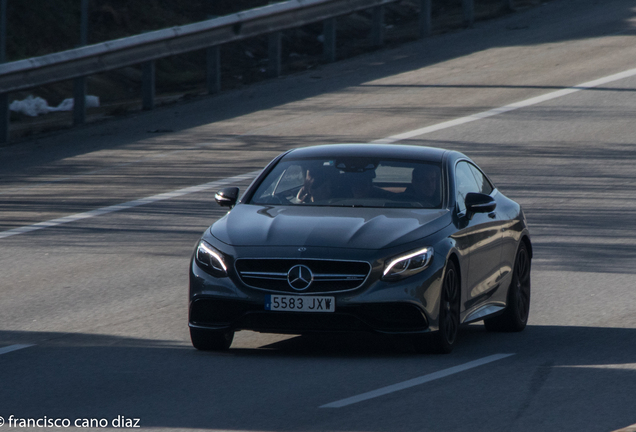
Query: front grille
327	276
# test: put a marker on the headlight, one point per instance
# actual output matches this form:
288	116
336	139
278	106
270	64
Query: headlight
210	259
408	264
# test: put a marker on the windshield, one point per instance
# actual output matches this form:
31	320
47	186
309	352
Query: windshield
352	182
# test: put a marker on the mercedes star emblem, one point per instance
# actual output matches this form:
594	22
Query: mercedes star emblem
299	277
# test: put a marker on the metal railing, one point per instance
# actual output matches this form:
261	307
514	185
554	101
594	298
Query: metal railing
145	48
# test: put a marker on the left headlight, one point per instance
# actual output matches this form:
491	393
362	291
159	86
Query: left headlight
408	264
210	259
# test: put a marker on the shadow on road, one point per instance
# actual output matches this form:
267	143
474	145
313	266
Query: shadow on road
168	384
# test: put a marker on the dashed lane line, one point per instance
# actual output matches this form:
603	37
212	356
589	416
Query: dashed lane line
631	428
127	205
11	348
415	381
506	108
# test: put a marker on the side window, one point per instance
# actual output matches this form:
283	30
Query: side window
266	189
464	183
292	178
485	186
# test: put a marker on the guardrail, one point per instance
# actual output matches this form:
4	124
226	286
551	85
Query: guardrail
145	48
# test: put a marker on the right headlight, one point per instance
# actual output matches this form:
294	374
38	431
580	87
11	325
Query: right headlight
210	259
407	264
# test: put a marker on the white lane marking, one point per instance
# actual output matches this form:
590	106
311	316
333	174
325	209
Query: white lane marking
109	168
631	428
12	348
387	140
415	381
628	366
127	205
506	108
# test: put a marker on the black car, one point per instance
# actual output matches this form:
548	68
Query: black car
361	237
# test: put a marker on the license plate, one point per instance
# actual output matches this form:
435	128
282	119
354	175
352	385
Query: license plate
300	304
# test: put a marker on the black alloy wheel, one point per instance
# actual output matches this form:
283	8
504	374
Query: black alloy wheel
443	340
515	316
211	340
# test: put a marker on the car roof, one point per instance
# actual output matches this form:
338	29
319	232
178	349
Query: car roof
391	151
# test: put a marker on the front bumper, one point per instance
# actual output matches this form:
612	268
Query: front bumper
232	314
401	307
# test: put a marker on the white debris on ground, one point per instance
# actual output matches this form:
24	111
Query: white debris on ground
34	106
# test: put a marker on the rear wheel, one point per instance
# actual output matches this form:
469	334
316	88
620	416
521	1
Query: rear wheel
515	316
443	340
211	340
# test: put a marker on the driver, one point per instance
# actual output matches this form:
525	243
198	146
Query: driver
317	186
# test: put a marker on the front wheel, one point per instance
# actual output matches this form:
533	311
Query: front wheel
515	316
211	340
443	340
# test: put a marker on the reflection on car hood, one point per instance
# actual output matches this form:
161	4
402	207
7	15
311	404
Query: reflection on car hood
360	228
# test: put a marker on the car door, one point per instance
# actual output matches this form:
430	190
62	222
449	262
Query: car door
479	237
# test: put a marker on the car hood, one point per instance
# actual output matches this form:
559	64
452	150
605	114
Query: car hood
340	227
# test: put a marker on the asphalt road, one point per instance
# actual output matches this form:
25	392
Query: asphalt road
93	310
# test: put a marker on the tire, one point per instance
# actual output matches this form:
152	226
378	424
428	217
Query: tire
443	340
515	316
211	340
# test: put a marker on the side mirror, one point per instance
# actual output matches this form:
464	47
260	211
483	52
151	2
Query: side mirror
480	203
227	197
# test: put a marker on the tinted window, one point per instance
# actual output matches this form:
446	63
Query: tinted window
482	182
352	182
393	174
464	183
